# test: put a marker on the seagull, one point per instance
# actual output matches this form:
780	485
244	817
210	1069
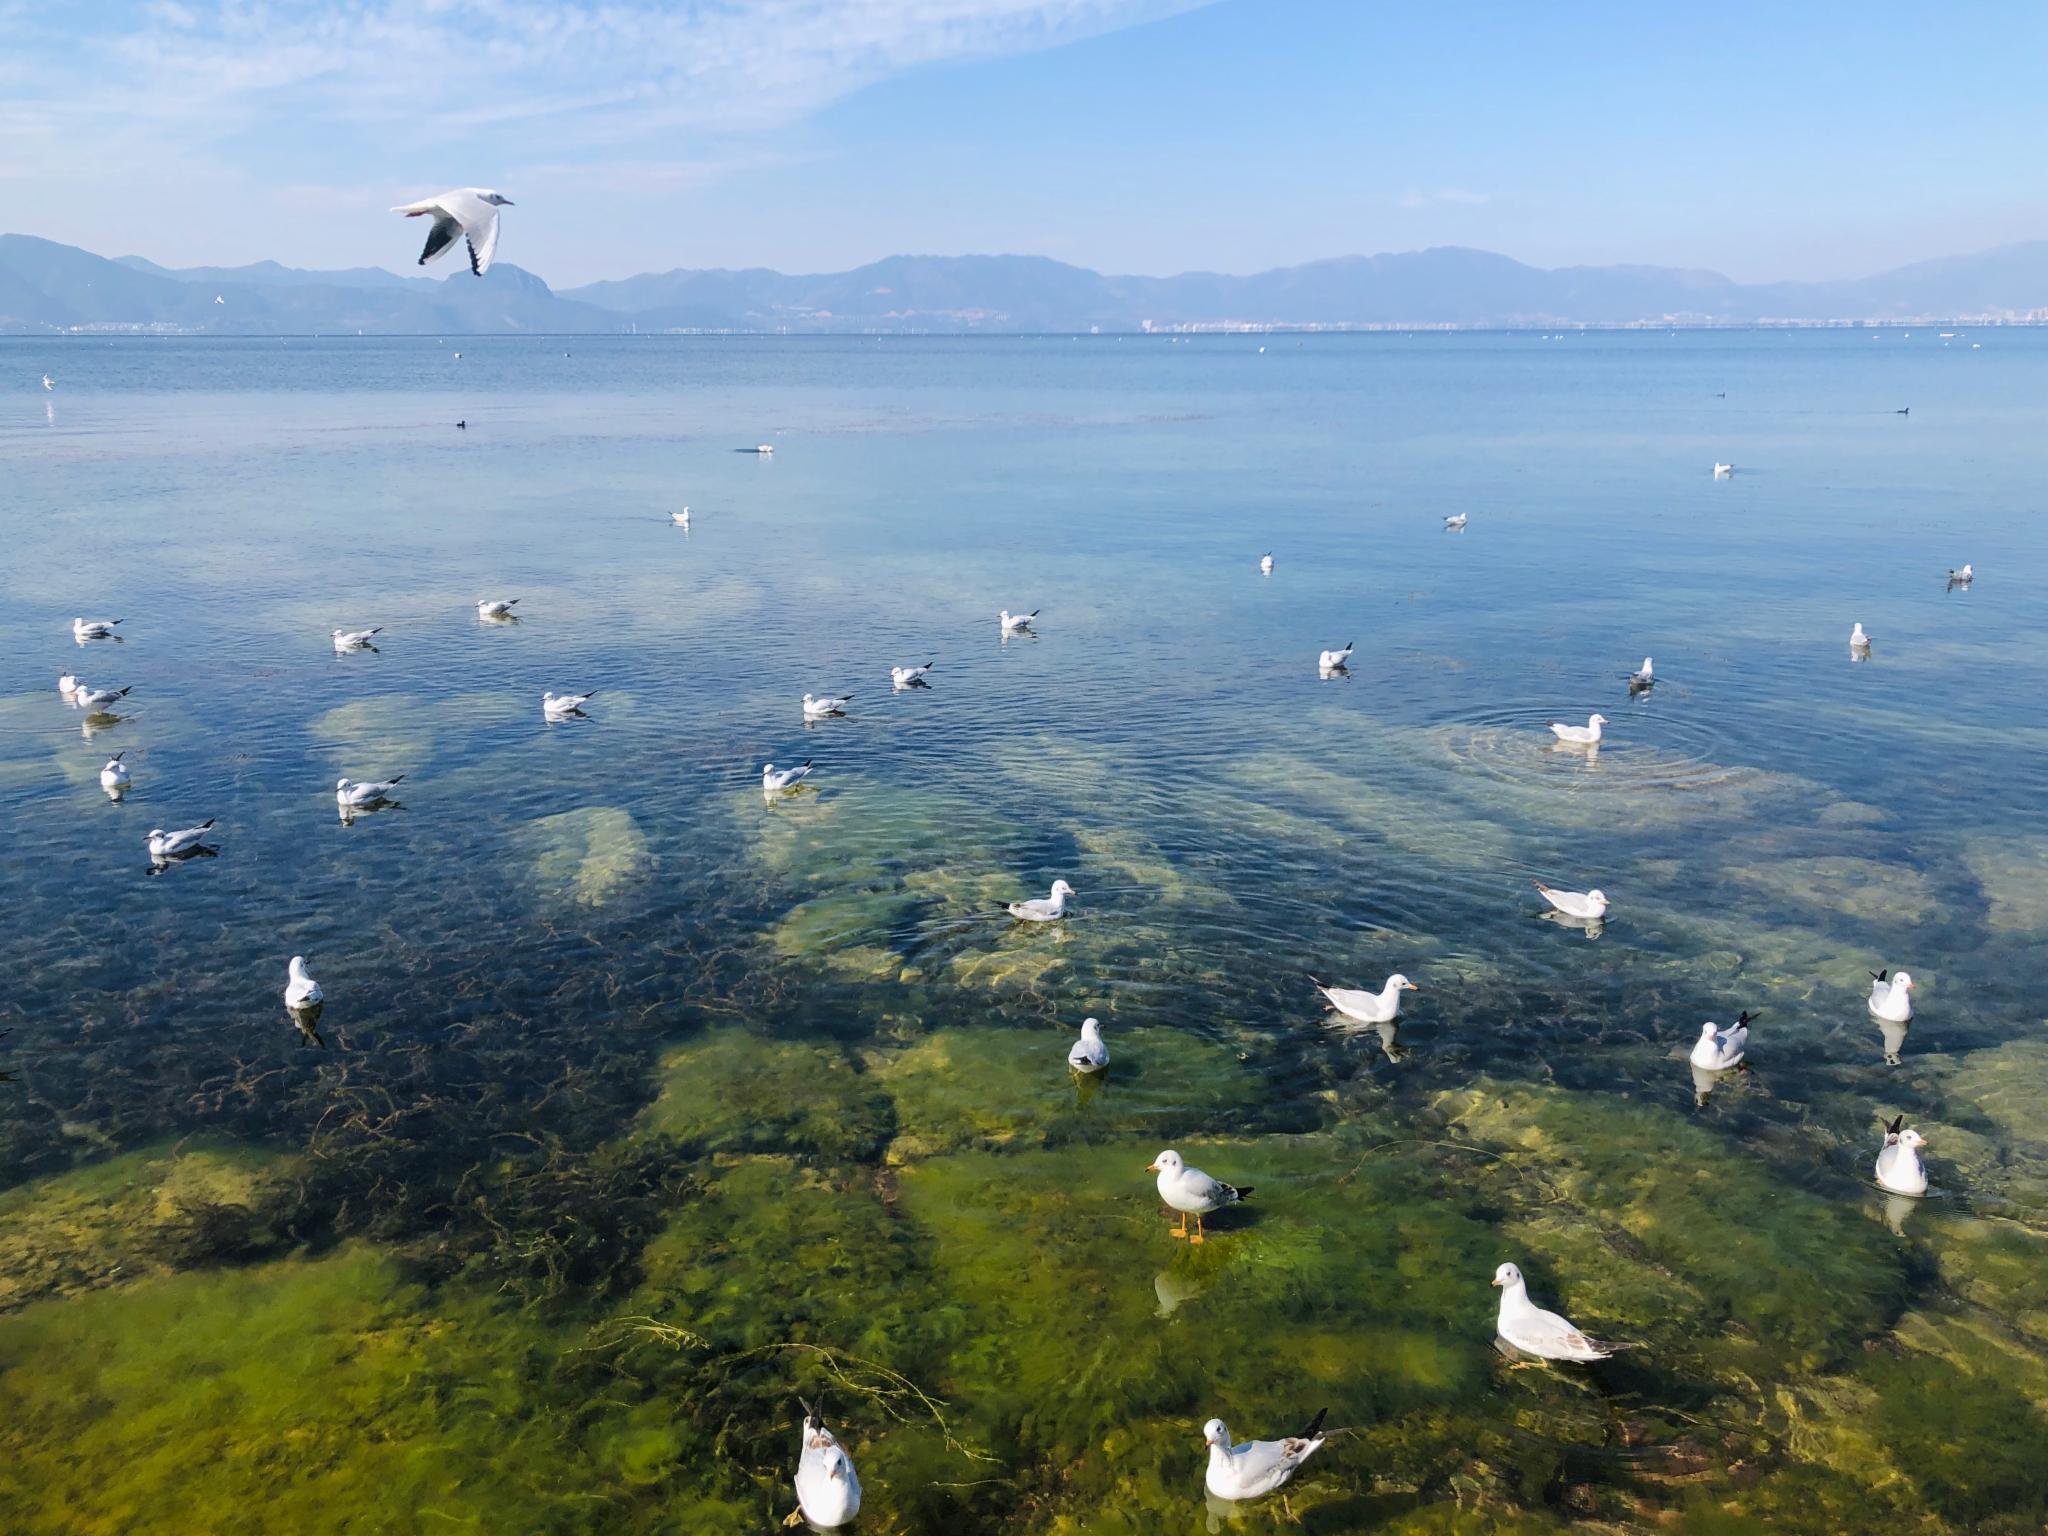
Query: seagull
827	1488
1457	521
1858	641
96	701
559	706
1015	622
1893	1001
830	704
1723	471
1046	909
301	991
1717	1049
1583	904
170	845
680	519
1587	735
760	448
356	639
1899	1168
1536	1332
46	382
1089	1054
1961	578
92	629
774	781
472	213
1640	682
910	677
363	791
496	608
1334	661
67	686
1265	565
1381	1007
1257	1467
1191	1192
114	777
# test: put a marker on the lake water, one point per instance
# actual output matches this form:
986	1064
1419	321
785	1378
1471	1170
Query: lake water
647	1104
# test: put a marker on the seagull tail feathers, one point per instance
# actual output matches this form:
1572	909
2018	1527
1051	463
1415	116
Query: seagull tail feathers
1314	1425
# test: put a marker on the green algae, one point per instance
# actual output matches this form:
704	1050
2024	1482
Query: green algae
734	1091
588	857
139	1214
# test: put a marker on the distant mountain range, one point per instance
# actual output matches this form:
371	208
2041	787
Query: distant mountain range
46	287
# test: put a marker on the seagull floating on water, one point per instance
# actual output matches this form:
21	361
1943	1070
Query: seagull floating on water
559	706
1723	471
1191	1192
1587	735
1334	661
830	704
1257	1467
1044	909
1718	1049
356	639
1379	1007
1534	1331
760	448
170	845
1590	905
1899	1168
910	677
1858	641
364	791
1014	622
774	780
1644	679
114	777
1457	520
1961	578
96	701
827	1488
471	213
300	989
93	629
1089	1054
1265	565
496	608
680	519
1892	1001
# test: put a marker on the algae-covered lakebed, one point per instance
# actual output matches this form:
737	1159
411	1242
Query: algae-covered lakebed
649	1104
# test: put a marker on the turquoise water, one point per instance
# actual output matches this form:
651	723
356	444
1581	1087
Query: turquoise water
647	1104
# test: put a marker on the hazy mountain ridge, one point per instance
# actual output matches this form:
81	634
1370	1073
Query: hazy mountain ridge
47	287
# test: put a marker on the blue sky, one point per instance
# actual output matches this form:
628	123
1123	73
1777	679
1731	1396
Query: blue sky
1764	141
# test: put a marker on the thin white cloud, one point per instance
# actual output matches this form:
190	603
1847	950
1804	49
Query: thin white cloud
1452	195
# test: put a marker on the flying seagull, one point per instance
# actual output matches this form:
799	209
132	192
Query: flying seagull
471	212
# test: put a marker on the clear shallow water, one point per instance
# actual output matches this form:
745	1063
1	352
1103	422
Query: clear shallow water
648	1104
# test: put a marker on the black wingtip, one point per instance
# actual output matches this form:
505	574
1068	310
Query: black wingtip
1747	1016
1244	1193
1893	1128
1880	975
1309	1430
206	823
397	778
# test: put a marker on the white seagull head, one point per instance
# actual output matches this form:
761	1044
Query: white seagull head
1507	1275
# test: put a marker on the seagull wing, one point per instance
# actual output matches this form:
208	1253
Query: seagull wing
439	238
424	205
483	241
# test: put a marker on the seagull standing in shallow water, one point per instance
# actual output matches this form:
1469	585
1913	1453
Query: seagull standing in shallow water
470	212
774	780
1191	1192
1899	1168
1044	909
1257	1467
1893	1001
1534	1331
96	701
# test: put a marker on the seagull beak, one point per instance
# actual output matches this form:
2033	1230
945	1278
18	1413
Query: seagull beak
1412	987
1151	1167
1494	1283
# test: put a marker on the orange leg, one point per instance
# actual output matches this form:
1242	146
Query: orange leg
1182	1229
1198	1230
